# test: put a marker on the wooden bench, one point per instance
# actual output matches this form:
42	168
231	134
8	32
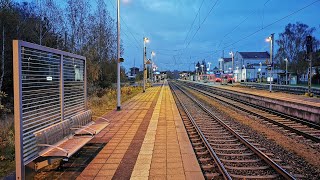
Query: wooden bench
65	138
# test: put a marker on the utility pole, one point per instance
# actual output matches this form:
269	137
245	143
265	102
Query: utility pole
118	57
145	39
144	69
271	39
286	60
309	53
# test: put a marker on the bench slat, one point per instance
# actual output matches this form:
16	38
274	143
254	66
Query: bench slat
71	145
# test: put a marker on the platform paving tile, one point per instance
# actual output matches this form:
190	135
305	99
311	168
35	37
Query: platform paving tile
147	140
119	136
168	136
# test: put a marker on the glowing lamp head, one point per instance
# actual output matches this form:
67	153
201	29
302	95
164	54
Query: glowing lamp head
145	39
268	39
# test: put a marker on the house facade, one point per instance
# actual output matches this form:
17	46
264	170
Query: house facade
251	66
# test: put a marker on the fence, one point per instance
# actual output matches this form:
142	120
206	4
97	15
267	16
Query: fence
49	86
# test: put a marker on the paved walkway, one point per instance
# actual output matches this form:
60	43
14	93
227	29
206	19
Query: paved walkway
145	140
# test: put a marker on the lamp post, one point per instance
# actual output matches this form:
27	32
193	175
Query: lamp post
220	62
237	73
145	40
286	60
202	68
151	69
260	71
271	40
197	72
232	58
118	57
245	73
209	63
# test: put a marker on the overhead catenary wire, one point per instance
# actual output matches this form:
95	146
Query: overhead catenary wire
261	29
193	21
255	32
138	45
207	15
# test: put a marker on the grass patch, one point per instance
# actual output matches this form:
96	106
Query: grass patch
7	163
105	100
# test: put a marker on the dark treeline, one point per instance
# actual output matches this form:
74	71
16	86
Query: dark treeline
75	28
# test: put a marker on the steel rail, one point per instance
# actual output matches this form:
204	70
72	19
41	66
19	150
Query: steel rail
302	121
220	165
306	135
263	156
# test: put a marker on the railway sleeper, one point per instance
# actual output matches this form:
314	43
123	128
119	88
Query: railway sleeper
211	175
205	159
237	149
242	154
248	167
229	144
197	144
208	167
240	160
196	136
272	176
198	148
222	140
203	153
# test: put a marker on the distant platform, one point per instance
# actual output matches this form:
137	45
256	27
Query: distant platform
301	106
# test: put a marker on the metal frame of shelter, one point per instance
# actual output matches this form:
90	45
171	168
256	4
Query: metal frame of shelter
49	86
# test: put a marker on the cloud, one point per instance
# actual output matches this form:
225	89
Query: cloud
163	6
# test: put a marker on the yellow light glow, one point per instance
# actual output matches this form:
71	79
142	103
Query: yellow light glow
268	39
126	1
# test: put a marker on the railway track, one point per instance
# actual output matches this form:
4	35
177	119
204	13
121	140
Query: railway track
300	127
229	154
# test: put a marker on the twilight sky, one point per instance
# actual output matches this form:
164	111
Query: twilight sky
218	26
182	32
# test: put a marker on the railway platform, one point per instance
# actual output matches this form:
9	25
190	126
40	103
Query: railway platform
145	140
296	105
274	95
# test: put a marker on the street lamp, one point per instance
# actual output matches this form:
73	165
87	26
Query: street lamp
197	73
232	57
220	62
260	71
151	73
202	68
118	57
145	40
245	73
271	40
237	73
286	60
208	69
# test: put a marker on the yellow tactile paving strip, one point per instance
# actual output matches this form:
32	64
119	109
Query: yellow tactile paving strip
166	152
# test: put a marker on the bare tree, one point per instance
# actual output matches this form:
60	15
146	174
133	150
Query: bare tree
77	15
291	44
